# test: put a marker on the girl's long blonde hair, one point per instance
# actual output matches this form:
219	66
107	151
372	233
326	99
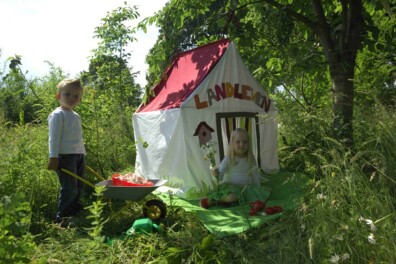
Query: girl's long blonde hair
231	153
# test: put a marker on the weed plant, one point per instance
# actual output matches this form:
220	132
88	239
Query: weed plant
347	214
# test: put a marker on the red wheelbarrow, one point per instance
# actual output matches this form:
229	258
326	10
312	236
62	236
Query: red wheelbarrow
154	209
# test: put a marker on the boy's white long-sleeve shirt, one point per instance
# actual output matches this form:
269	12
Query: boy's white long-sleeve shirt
65	133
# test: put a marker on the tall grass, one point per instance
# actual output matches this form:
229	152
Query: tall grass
23	168
337	216
347	214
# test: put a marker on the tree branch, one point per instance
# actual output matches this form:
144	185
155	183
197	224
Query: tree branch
309	23
355	25
294	97
307	102
344	25
323	28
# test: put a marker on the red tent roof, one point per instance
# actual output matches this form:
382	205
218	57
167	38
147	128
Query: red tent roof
184	75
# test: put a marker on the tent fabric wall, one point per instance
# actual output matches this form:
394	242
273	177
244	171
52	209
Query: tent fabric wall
174	135
160	153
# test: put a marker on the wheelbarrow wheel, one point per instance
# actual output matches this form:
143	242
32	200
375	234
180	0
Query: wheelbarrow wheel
154	209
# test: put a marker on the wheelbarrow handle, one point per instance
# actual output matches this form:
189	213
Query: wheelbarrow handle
94	173
78	177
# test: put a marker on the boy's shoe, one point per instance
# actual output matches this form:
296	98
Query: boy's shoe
65	222
77	209
204	203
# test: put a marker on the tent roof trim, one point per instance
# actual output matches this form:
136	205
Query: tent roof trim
185	74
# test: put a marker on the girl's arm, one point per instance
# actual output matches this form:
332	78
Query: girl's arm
222	168
254	175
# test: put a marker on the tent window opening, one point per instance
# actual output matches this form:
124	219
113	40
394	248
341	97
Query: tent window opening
228	122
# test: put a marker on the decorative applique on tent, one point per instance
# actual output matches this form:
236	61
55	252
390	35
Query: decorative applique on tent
206	93
204	133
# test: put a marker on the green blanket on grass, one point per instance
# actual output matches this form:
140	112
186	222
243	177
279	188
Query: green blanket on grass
286	189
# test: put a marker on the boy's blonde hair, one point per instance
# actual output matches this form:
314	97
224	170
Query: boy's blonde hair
72	83
231	153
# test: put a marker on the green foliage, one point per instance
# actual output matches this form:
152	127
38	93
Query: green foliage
350	192
203	251
347	214
108	69
26	101
17	245
107	132
17	104
22	169
376	64
301	135
183	25
339	209
111	94
346	192
96	210
114	32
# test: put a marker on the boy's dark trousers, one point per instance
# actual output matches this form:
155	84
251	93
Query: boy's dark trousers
71	188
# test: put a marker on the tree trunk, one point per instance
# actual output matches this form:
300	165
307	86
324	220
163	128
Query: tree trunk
343	94
340	45
340	40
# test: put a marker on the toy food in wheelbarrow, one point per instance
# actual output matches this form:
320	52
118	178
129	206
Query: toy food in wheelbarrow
125	190
130	179
154	209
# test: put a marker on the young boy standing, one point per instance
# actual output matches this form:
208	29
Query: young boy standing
66	148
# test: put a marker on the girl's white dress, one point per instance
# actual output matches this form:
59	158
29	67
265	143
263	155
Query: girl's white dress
241	178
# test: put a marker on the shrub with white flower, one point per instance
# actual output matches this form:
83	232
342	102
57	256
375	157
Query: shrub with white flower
321	197
371	239
339	237
369	222
335	259
210	153
373	228
345	256
339	258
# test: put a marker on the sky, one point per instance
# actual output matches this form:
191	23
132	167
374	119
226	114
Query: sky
61	32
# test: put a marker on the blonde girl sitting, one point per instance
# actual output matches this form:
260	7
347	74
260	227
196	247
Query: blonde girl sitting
239	178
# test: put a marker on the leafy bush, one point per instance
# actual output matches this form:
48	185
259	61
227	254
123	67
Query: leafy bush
24	168
346	216
17	245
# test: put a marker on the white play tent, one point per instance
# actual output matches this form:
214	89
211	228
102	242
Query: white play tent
207	92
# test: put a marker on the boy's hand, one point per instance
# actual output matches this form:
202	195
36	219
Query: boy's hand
53	164
215	172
